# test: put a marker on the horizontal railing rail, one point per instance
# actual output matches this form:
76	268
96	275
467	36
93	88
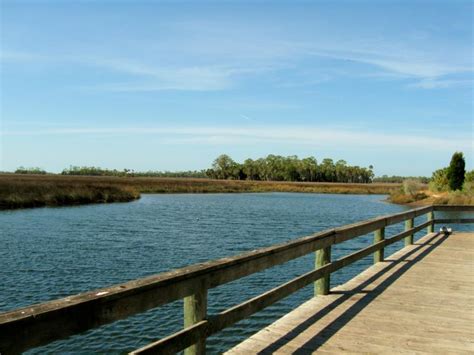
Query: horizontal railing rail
454	220
40	324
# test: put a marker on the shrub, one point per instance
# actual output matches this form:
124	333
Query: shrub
439	181
456	198
412	187
469	177
410	191
469	182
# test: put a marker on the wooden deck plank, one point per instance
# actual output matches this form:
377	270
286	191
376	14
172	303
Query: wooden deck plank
419	300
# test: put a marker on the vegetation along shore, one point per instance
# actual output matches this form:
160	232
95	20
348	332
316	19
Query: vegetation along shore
30	190
25	191
34	187
452	185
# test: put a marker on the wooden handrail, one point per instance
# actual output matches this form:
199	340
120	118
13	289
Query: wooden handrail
454	220
453	208
40	324
184	338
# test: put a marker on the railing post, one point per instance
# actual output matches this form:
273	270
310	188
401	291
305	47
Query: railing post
430	217
323	257
379	235
195	310
409	225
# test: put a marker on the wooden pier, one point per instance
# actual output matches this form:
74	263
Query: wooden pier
417	300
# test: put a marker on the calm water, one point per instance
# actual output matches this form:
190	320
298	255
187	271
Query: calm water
49	253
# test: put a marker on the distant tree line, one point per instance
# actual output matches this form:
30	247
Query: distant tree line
93	171
291	168
173	174
23	170
400	179
96	171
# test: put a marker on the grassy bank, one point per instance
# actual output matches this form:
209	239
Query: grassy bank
428	198
170	185
38	191
451	185
421	195
19	191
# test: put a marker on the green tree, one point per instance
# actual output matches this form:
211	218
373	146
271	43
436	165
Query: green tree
308	169
456	171
328	170
439	181
291	168
341	171
250	169
225	168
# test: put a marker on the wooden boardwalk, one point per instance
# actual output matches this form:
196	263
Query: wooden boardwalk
419	300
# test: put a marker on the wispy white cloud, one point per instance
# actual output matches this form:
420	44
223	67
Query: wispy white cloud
298	135
145	77
193	78
410	64
440	83
12	56
196	58
247	118
254	103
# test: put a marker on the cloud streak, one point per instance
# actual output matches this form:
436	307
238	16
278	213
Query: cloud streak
141	76
435	83
222	65
309	136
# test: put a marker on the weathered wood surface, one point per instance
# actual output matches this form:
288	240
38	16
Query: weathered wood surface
419	300
323	257
379	235
195	310
409	225
454	208
430	217
454	220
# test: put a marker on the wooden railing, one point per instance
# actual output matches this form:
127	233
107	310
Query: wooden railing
40	324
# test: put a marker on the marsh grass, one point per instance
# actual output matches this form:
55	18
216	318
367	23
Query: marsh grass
426	197
21	191
401	198
456	198
412	190
36	191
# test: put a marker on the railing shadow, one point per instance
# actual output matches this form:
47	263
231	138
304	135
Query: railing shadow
368	296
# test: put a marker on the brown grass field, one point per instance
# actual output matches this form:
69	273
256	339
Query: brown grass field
22	191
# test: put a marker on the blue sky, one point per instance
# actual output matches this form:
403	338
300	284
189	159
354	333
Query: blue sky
170	85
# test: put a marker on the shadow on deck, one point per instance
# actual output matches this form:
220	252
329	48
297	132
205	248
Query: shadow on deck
364	315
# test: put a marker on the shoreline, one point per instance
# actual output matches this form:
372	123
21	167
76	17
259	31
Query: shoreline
30	191
451	198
